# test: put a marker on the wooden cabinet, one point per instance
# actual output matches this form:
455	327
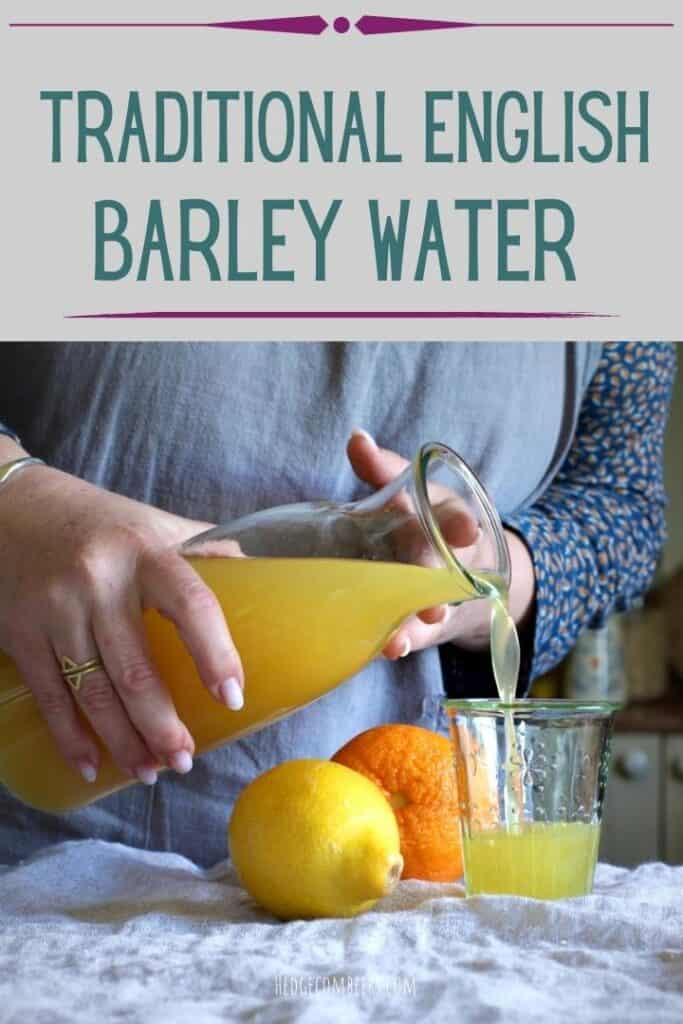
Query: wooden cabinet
643	814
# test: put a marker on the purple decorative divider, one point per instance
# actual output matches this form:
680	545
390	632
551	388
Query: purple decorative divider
346	314
367	25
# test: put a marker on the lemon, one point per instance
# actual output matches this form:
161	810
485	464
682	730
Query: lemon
314	839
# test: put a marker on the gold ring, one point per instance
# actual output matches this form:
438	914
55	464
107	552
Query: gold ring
74	673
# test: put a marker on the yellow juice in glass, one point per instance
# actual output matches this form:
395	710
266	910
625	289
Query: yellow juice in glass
540	860
301	625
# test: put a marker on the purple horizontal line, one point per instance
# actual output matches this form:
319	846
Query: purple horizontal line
370	24
109	24
575	24
429	314
312	24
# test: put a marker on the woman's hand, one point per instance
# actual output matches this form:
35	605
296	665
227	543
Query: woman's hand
469	623
79	566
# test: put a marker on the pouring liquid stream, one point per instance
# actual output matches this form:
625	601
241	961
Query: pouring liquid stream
505	660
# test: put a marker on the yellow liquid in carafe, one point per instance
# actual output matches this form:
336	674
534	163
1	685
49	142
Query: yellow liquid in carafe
302	626
542	861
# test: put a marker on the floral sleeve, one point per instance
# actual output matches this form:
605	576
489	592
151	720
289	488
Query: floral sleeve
595	534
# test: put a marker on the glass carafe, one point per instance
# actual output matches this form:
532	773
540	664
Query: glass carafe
311	592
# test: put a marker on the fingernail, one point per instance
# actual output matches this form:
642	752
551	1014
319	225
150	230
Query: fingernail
231	694
406	649
87	770
181	762
359	432
147	775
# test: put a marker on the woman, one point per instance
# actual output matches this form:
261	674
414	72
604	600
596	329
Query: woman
567	439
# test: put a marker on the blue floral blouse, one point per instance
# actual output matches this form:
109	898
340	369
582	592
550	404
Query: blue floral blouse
596	533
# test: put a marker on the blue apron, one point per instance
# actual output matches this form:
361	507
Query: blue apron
212	431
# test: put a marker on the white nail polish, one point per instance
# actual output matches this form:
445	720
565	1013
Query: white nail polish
231	694
359	432
147	775
181	762
406	649
87	770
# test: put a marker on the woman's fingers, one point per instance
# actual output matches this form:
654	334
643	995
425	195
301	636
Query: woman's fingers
98	698
399	646
379	466
170	584
457	523
459	528
433	616
128	704
374	465
125	701
38	665
415	635
445	624
74	561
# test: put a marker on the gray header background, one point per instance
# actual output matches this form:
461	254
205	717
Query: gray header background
629	218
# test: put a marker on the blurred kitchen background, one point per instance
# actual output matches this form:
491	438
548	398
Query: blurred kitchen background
638	659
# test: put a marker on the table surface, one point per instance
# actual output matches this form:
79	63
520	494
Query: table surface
91	931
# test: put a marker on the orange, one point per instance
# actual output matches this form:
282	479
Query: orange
414	769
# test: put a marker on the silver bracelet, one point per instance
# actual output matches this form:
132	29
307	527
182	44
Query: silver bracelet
10	468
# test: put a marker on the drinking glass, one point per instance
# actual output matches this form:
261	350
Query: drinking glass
531	781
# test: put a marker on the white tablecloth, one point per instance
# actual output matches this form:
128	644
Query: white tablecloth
92	933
